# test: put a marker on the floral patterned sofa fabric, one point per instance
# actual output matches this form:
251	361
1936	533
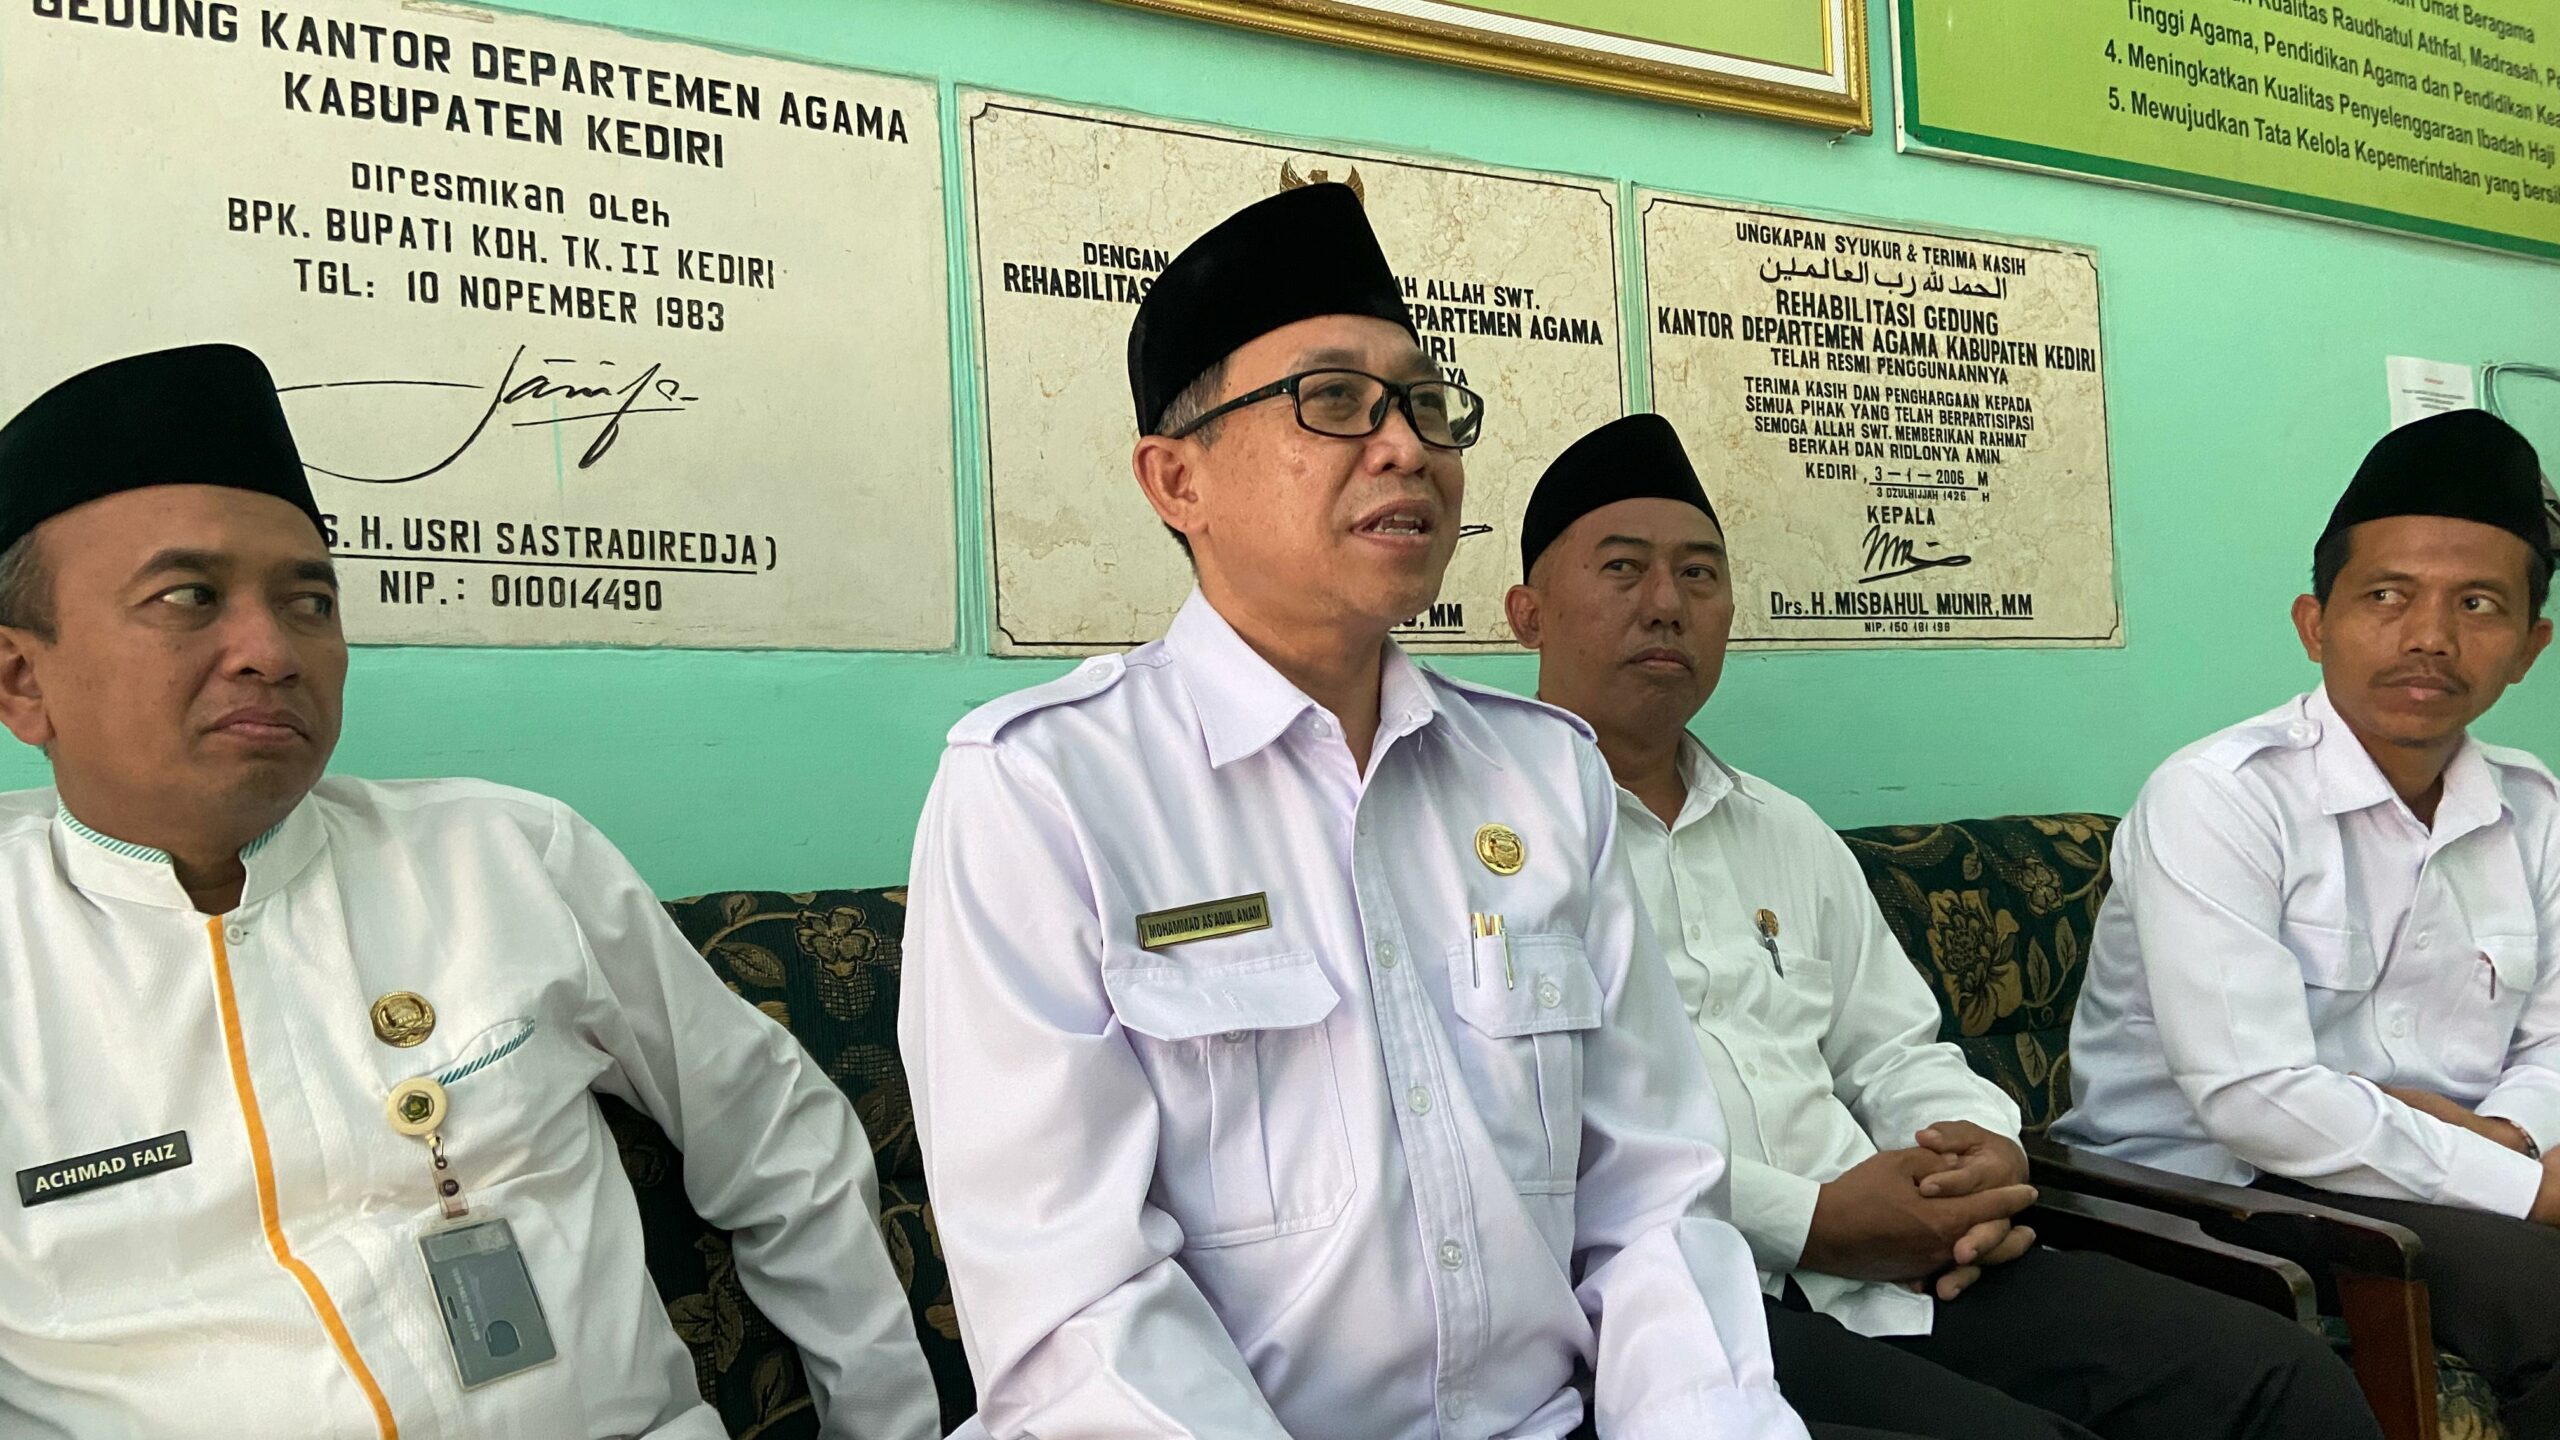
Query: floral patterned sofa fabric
1998	914
824	964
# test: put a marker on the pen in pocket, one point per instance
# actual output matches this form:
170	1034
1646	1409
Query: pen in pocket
1488	927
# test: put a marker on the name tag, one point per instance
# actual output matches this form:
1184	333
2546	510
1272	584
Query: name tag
1206	921
112	1166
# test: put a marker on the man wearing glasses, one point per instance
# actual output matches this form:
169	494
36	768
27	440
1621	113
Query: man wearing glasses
1289	1053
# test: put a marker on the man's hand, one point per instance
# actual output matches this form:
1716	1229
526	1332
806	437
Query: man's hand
2015	1240
1983	1160
1873	1223
2505	1132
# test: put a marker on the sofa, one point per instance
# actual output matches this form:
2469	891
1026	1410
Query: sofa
1997	914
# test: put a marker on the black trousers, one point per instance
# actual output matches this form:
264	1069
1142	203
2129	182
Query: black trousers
2493	1285
2066	1346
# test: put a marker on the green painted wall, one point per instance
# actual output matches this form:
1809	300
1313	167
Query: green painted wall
2245	369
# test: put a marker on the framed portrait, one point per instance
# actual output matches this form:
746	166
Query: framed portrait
1799	60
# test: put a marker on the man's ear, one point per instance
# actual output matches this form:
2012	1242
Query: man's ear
21	693
1528	622
2306	624
1168	473
2535	643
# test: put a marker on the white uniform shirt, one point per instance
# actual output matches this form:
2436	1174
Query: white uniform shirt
1818	1068
2284	937
1346	1175
274	1286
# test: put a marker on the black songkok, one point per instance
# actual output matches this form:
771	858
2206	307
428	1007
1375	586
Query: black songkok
198	415
1301	253
1635	458
2462	464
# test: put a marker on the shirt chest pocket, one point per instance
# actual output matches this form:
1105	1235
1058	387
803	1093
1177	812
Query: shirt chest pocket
2482	1024
1526	1003
516	1078
2335	960
1251	1139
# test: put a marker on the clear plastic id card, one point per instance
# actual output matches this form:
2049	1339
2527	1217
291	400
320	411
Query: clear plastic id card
491	1315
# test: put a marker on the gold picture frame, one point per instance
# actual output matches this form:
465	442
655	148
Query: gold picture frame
1508	43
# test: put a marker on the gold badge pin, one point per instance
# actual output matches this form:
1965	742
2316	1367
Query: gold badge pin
1499	847
1768	924
403	1018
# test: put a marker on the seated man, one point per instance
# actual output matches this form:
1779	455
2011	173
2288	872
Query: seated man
1873	1173
299	1072
2331	960
1289	1054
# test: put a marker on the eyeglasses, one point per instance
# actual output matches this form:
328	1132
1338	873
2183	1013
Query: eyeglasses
1351	404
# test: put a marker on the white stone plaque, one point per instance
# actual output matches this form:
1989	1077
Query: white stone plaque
587	338
1904	432
1512	279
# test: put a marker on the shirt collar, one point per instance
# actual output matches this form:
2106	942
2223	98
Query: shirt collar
127	871
2350	781
1707	779
1244	704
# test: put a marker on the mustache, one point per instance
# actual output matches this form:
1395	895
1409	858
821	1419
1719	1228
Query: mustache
2422	675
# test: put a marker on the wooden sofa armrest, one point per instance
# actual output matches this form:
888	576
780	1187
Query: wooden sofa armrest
2371	1265
2177	1247
2316	1236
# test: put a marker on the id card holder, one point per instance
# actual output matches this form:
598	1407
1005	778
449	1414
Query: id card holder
491	1315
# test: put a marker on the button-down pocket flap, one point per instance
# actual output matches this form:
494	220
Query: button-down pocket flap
1548	985
2517	959
1183	1002
2332	959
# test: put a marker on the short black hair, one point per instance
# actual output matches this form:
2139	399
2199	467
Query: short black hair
1197	399
2329	560
26	589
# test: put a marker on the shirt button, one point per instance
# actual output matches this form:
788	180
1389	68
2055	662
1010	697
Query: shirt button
1324	728
1419	1099
1386	957
1750	1069
237	934
2399	1028
1452	1254
1549	997
1233	1037
2424	937
1716	1009
1697	934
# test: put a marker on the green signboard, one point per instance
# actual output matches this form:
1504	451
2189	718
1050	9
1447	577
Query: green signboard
1803	60
2438	117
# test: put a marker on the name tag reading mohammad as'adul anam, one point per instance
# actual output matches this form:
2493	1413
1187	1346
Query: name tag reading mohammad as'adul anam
1206	921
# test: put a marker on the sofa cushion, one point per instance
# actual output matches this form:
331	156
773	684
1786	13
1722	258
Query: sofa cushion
825	965
1998	915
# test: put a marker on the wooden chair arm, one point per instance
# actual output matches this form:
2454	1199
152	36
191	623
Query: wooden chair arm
2318	1237
2370	1264
2175	1246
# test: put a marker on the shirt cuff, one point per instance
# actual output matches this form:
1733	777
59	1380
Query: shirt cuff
1994	1112
1724	1411
1773	1209
2488	1176
2531	1107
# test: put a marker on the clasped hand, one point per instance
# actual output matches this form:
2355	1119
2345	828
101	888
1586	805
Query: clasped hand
1939	1212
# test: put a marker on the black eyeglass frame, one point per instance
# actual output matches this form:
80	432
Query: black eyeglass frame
1395	393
